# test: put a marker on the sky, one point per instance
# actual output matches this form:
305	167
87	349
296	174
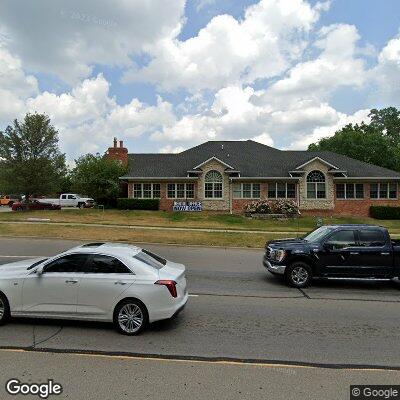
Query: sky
167	75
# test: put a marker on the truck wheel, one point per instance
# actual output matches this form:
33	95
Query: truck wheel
298	274
81	205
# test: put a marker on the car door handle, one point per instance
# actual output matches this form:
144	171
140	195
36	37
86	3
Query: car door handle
119	283
71	281
354	253
385	254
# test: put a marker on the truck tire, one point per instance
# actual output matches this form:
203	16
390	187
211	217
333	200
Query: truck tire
298	274
81	205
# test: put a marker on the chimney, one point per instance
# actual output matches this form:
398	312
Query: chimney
118	153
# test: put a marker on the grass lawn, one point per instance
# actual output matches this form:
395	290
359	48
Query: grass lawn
239	239
189	220
275	229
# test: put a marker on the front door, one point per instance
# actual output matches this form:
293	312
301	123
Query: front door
104	280
55	291
340	256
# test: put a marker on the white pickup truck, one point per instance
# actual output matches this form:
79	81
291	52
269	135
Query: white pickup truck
71	200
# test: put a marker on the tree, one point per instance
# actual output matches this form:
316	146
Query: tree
98	177
376	143
30	160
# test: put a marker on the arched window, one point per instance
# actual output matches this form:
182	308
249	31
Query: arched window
213	185
316	185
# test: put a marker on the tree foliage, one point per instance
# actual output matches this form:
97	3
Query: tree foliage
377	142
98	177
30	160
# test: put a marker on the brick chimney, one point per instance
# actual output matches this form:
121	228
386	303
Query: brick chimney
118	153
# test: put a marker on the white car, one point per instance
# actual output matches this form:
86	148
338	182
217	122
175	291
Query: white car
114	282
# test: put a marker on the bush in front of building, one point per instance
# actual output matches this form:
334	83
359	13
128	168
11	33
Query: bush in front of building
286	207
384	212
281	206
138	204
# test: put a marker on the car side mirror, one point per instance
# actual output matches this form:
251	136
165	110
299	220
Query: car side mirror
39	271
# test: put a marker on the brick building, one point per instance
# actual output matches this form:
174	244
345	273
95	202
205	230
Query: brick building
226	175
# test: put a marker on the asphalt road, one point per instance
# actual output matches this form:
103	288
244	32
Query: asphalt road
237	312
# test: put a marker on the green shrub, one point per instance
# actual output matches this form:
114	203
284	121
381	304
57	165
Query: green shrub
138	204
384	212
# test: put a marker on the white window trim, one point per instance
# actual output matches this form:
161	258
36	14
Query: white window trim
345	191
379	191
286	190
213	187
251	190
213	190
142	190
316	187
176	190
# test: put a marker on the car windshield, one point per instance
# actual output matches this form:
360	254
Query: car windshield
37	263
317	234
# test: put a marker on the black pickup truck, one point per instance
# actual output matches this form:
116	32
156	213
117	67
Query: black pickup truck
358	252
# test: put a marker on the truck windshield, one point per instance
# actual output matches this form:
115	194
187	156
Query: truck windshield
317	234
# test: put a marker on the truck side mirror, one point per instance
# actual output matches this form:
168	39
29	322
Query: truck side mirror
327	246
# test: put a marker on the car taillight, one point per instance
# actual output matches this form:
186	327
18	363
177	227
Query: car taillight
171	286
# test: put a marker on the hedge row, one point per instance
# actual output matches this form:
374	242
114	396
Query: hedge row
385	212
138	204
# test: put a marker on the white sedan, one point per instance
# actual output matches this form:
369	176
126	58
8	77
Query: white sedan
114	282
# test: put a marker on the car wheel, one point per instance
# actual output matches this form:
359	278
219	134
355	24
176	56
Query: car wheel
10	204
20	209
130	317
4	309
298	275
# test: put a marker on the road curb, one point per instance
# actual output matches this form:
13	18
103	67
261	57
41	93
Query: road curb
204	359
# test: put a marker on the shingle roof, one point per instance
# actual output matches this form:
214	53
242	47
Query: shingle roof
252	159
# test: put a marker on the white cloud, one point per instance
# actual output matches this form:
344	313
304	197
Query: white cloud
15	85
338	122
335	66
387	72
67	39
88	118
228	51
203	4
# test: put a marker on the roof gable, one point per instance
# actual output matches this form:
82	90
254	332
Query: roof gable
215	159
317	158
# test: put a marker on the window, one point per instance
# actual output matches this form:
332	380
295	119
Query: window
213	185
146	190
281	190
383	190
180	190
350	191
69	263
100	264
371	238
246	191
342	239
316	185
151	259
